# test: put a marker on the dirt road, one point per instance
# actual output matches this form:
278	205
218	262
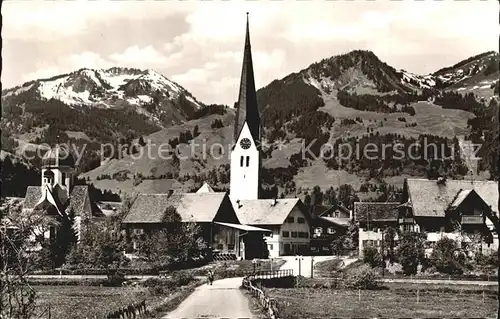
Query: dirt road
223	299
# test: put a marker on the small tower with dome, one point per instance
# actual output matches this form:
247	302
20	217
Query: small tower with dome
58	168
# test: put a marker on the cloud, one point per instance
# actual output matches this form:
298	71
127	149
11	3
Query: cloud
199	44
68	64
136	57
51	20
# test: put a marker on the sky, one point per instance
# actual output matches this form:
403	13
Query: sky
199	44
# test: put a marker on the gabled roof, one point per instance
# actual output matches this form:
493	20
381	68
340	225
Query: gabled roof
205	188
33	195
192	207
430	199
245	227
344	222
76	201
372	211
321	210
460	197
266	211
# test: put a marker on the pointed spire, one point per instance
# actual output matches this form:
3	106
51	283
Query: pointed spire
247	109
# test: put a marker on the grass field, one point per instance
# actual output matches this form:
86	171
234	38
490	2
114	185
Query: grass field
304	303
87	301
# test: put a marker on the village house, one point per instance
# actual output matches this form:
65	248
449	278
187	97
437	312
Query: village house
328	223
285	218
211	211
450	208
373	219
58	197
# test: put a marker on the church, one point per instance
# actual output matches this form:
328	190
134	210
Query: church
241	224
58	198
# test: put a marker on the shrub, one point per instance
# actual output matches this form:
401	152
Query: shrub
115	278
362	277
447	258
330	266
159	286
372	257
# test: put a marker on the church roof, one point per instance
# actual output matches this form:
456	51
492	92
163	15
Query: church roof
33	195
264	211
247	109
76	202
205	188
431	199
192	207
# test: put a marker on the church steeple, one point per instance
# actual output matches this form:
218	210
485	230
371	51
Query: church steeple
247	109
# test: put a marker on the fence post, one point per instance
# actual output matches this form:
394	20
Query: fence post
359	295
418	296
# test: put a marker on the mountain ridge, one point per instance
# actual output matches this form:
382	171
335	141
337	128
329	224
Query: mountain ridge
341	98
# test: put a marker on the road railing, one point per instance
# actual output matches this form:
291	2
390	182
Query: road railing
269	304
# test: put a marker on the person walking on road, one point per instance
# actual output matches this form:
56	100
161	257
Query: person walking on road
210	276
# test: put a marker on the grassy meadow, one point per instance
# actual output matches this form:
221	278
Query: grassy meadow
305	303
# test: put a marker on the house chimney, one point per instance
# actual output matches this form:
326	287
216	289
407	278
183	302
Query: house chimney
170	192
238	202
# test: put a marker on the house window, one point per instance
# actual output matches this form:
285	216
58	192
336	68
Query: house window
336	214
286	234
303	234
294	234
138	231
248	161
289	220
230	246
331	230
63	179
301	220
220	246
241	160
270	247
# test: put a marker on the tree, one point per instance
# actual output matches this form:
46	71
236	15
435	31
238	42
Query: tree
389	234
348	241
411	252
347	195
103	242
177	243
446	257
196	131
141	141
317	196
330	197
17	297
371	256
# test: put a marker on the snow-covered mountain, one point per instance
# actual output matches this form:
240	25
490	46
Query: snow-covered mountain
362	72
479	72
147	91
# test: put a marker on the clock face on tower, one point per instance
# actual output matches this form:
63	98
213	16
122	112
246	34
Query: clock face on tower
245	143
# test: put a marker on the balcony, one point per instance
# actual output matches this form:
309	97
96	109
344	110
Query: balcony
472	220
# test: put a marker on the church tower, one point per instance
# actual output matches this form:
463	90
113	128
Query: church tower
245	154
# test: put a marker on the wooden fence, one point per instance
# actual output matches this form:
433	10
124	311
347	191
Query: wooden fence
269	304
135	310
